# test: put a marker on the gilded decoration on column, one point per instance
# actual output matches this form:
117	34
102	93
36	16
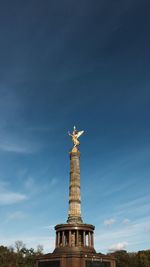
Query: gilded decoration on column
75	135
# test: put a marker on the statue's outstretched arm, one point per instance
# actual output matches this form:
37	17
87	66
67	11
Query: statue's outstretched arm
69	134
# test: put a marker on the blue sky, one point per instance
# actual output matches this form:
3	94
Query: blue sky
66	63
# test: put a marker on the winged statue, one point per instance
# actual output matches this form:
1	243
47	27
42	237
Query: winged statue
75	135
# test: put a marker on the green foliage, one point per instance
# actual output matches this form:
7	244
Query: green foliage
144	258
139	259
20	256
122	258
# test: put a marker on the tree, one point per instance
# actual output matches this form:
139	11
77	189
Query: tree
143	259
19	245
7	257
20	256
122	258
39	250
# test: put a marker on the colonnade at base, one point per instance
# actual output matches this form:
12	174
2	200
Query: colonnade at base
74	235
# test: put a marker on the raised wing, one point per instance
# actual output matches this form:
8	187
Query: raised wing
79	134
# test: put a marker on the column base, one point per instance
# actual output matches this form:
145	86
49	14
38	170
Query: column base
72	220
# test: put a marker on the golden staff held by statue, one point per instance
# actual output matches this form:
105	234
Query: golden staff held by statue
75	135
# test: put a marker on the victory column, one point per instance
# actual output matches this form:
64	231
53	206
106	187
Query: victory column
74	246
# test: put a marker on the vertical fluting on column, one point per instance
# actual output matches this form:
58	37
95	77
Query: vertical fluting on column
74	212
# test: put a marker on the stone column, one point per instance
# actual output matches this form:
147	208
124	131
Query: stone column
84	239
56	242
89	239
69	238
92	240
58	239
74	212
77	238
63	239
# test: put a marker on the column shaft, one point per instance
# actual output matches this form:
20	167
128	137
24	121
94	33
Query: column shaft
63	239
74	212
89	239
77	238
56	242
69	238
58	239
84	239
92	240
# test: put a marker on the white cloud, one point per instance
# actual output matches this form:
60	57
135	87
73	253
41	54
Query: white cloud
118	246
109	222
7	198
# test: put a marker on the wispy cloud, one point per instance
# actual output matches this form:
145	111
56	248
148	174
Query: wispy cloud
49	227
109	222
29	183
133	234
12	138
135	202
33	188
18	215
126	221
139	205
53	181
8	197
17	140
17	145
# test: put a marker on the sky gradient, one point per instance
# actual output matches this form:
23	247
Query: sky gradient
66	63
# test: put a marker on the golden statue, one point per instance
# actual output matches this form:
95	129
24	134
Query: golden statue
75	135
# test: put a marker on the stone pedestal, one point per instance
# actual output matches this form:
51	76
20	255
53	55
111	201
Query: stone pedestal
75	259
